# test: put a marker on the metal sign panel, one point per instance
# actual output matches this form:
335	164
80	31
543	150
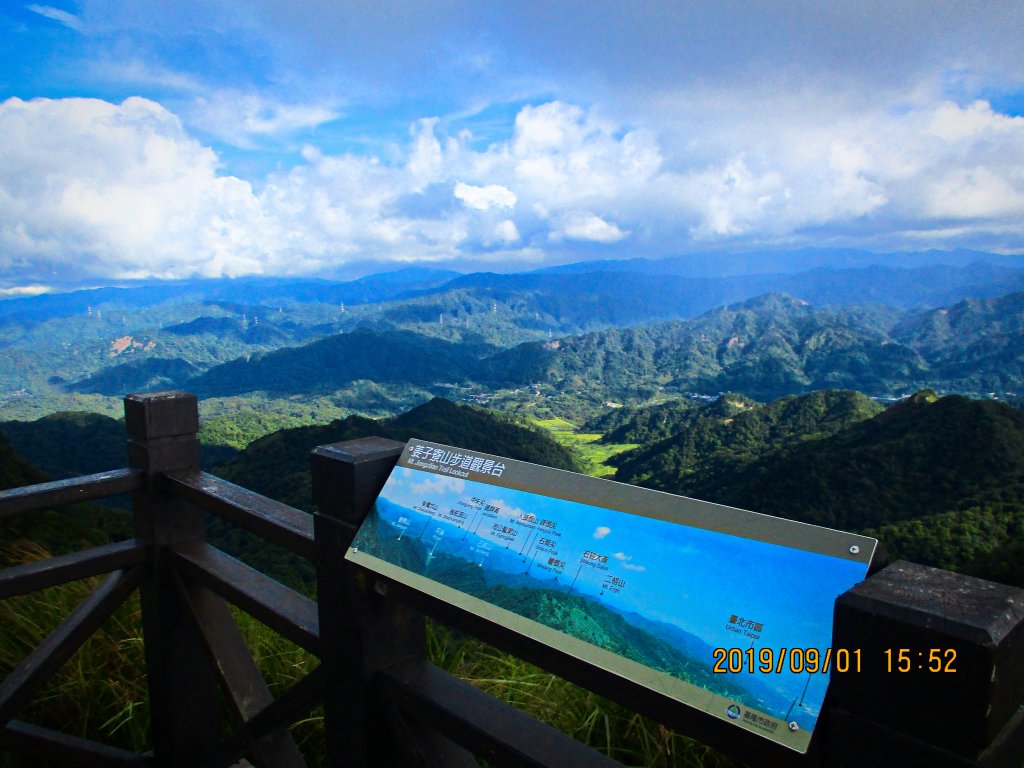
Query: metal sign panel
722	609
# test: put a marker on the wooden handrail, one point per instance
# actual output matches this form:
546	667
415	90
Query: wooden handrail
22	579
284	610
270	520
60	493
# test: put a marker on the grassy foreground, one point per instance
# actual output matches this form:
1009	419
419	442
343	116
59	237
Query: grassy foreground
101	692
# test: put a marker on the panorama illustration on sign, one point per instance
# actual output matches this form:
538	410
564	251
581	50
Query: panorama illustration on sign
722	609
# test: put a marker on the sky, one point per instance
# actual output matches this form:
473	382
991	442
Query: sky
207	138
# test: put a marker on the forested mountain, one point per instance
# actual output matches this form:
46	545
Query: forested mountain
776	345
70	444
709	446
939	480
69	351
379	356
278	464
766	347
76	527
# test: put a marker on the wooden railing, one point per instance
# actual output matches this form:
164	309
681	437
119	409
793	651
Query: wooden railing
384	704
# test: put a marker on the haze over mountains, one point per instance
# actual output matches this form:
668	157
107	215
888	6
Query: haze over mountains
807	428
911	328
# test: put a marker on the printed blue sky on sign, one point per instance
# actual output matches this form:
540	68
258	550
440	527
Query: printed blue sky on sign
694	579
279	136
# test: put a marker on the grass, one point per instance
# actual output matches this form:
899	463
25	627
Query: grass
593	454
100	693
618	732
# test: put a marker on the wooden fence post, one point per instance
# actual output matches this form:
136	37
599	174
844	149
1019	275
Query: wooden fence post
358	636
183	700
941	672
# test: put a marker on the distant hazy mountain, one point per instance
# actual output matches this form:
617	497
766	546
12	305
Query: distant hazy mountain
112	340
723	264
251	290
766	347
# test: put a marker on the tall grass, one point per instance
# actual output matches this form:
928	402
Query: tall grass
101	692
618	732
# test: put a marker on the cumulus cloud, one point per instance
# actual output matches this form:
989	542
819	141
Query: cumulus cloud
587	226
118	190
90	188
601	531
627	563
485	198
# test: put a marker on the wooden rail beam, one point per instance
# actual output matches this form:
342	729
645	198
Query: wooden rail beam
293	703
22	579
46	744
284	610
270	520
59	646
247	692
61	493
495	731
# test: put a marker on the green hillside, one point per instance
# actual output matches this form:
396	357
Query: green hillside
278	464
939	480
388	356
720	439
765	347
71	528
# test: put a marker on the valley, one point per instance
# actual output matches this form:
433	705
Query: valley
878	417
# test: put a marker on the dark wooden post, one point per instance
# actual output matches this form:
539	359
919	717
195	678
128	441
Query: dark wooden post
941	678
358	633
162	437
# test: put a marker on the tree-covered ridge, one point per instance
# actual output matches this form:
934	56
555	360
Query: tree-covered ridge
64	530
648	424
70	444
923	456
278	464
61	347
766	348
938	480
384	356
720	439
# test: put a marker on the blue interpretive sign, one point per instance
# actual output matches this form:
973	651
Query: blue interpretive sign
722	609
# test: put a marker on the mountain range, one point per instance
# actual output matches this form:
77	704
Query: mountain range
765	347
65	349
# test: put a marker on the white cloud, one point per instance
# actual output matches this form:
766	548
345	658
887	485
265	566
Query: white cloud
587	226
69	20
426	487
627	564
89	188
241	118
601	531
504	232
25	290
484	198
92	188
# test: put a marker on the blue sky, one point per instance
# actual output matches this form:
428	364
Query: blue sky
158	139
